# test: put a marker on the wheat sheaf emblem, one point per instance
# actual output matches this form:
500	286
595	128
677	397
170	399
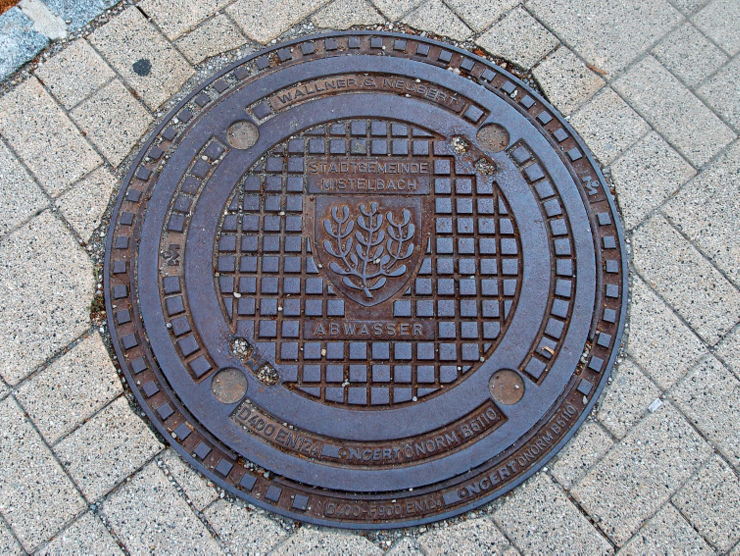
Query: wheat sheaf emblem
376	250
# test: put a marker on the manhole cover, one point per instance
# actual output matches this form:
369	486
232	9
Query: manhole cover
365	279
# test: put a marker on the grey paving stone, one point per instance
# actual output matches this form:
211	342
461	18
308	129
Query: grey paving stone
658	340
87	535
74	73
21	196
689	6
609	35
626	400
646	175
215	36
473	536
728	350
436	17
407	546
689	54
608	125
702	296
396	9
707	209
566	81
147	513
198	490
507	39
84	204
8	544
479	14
175	17
129	38
719	20
113	120
71	389
78	14
19	43
720	92
640	473
710	397
242	529
44	137
107	449
314	540
343	14
665	531
36	497
47	283
674	111
589	444
710	500
540	519
263	20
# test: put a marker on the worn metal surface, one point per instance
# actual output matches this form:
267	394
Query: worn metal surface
365	279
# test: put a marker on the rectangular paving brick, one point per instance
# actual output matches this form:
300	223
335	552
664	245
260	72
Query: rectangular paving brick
113	120
582	451
309	539
8	544
129	38
674	111
709	501
242	529
84	204
609	35
175	17
718	20
479	14
78	14
435	16
707	209
107	449
689	54
667	528
343	14
540	519
21	197
640	473
396	9
148	512
87	535
263	20
646	175
47	283
197	488
42	134
74	73
71	389
474	536
36	497
608	125
626	400
710	397
684	278
505	39
215	36
658	340
728	350
720	93
566	80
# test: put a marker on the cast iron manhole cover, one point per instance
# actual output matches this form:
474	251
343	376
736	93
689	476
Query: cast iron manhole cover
365	279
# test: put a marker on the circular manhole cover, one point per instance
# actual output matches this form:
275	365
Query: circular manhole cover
365	279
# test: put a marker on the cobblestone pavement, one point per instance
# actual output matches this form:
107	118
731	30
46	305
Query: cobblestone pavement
651	86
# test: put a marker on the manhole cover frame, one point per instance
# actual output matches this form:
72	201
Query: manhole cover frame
295	509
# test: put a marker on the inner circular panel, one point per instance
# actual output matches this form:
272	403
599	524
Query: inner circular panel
359	289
